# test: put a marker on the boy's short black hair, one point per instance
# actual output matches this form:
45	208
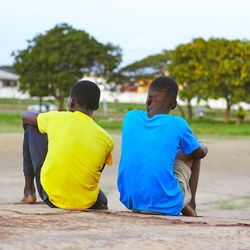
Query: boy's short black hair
166	84
87	94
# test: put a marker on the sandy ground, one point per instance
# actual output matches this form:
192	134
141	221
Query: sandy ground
223	204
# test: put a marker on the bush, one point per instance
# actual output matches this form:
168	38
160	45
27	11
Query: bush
241	114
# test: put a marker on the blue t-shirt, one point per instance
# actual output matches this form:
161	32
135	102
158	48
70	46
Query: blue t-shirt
146	180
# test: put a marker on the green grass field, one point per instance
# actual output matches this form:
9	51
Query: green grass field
211	125
10	123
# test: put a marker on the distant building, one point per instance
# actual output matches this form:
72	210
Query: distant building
7	68
144	85
9	86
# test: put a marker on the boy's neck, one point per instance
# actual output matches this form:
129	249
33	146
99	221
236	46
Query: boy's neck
150	115
84	111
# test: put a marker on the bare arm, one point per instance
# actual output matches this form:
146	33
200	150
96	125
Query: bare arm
30	118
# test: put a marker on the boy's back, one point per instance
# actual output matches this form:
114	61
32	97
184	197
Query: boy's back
146	180
77	150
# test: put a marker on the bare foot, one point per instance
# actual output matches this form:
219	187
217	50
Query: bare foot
189	211
29	197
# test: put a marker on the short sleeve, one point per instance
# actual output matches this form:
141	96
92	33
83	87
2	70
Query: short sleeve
109	159
43	121
189	143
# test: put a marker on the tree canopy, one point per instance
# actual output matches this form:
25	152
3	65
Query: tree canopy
53	61
216	68
188	69
227	69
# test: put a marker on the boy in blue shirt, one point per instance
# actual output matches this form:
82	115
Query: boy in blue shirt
160	157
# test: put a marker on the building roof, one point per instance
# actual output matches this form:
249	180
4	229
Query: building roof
4	75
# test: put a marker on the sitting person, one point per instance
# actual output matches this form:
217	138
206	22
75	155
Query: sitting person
160	158
66	152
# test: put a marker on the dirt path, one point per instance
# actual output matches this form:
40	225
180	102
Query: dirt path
40	227
223	201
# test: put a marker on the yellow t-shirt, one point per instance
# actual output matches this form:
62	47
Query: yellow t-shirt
77	151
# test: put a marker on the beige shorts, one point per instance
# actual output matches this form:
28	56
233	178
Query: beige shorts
183	173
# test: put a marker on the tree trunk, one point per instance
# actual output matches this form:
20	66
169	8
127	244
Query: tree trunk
40	104
227	113
105	107
60	103
181	111
190	110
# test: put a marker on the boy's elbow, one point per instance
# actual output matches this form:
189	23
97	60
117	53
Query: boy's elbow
200	152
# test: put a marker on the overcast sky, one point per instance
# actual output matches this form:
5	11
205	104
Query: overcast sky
139	27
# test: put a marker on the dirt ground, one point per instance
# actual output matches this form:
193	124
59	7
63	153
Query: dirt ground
223	204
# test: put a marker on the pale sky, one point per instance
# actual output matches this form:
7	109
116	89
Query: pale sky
139	27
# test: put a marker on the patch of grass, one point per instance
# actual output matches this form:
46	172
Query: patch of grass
216	128
211	125
17	106
10	123
13	101
118	110
109	124
239	202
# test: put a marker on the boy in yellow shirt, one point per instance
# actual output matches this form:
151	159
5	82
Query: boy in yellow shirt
66	152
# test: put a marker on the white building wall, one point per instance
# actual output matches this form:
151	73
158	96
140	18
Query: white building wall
132	97
219	104
12	92
124	97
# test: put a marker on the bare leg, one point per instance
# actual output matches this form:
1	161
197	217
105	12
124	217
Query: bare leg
29	191
193	183
194	165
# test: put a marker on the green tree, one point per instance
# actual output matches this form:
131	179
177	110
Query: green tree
53	61
187	68
228	71
216	68
148	67
107	60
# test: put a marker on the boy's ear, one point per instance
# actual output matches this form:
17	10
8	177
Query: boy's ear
73	102
174	104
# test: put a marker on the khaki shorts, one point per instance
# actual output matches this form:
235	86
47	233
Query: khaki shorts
183	173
